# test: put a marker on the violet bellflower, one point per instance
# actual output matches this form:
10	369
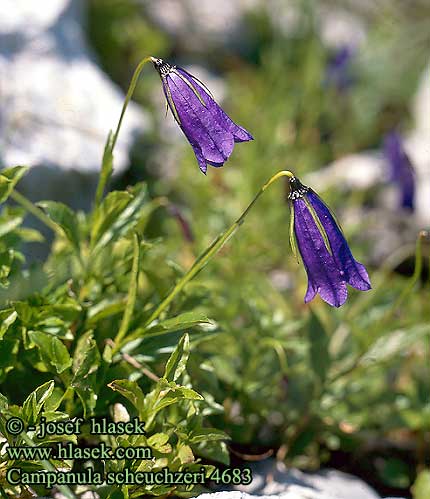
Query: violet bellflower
401	170
338	71
326	256
209	130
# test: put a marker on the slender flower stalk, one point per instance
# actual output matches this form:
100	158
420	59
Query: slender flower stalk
325	253
211	133
107	161
211	251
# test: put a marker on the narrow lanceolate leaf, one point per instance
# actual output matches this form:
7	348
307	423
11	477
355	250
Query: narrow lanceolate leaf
63	216
9	177
34	402
52	351
394	343
178	360
86	362
130	390
117	215
7	318
181	322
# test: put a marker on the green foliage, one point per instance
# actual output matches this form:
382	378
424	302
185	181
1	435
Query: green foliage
421	488
236	356
77	340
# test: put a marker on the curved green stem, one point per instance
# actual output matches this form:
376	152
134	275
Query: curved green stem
34	210
219	242
107	161
422	236
130	91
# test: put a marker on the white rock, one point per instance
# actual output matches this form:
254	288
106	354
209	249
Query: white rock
417	145
368	168
272	478
57	105
199	22
354	171
340	27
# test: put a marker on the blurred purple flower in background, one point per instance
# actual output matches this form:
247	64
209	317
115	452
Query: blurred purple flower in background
326	256
338	72
183	223
209	130
401	171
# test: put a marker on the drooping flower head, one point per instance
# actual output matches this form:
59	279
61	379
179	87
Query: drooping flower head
326	256
209	130
401	170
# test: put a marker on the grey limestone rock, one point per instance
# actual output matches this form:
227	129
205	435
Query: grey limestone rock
57	104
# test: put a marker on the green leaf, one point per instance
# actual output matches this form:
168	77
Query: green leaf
86	359
107	213
394	343
52	403
52	350
177	362
206	435
160	442
9	348
183	321
7	318
63	216
185	454
34	402
6	260
115	494
86	362
318	347
172	394
116	216
394	472
10	224
9	177
214	451
130	390
421	487
165	394
104	309
3	403
29	235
